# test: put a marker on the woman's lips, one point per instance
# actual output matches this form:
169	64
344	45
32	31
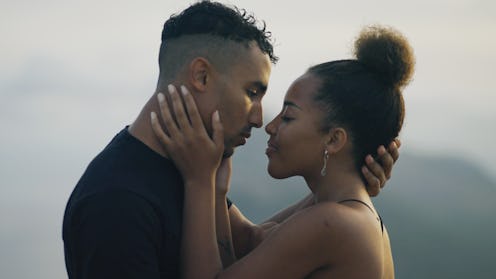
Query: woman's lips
271	148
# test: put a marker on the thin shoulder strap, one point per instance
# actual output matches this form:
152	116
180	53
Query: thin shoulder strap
368	206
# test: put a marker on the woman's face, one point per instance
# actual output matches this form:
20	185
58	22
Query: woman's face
296	144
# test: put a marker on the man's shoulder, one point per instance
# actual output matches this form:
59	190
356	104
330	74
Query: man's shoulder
129	164
121	207
110	184
128	173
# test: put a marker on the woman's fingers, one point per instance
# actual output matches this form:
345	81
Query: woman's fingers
393	149
194	152
178	107
373	182
169	122
378	171
388	157
386	161
218	130
157	129
192	110
185	122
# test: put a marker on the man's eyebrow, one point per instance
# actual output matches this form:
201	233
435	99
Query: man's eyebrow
291	104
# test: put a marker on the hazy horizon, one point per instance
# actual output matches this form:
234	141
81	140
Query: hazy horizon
65	59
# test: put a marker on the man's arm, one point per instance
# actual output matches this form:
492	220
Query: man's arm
246	235
284	214
114	235
223	232
241	229
222	223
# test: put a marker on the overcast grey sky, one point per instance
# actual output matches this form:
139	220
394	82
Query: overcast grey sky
73	73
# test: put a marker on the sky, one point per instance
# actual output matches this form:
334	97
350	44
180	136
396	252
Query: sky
73	73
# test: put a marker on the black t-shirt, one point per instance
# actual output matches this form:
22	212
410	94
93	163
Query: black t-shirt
123	219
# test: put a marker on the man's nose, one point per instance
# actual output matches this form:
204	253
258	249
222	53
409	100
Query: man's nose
256	115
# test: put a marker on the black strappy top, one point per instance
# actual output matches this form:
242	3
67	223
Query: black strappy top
364	203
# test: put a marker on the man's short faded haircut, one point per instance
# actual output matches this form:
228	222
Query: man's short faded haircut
211	30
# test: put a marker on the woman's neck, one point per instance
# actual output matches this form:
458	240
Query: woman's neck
337	185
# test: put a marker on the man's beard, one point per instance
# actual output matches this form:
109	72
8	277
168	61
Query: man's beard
228	152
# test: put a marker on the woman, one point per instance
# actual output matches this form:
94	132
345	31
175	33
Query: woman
333	115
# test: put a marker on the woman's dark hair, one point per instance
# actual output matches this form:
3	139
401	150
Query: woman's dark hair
364	95
216	19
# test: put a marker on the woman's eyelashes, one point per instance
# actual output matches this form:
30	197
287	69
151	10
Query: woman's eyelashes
286	118
284	115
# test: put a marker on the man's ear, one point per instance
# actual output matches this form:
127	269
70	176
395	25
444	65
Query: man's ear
336	139
199	73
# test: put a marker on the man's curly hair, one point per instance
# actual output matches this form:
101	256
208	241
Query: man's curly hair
216	19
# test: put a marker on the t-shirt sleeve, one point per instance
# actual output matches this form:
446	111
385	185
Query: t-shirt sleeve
115	235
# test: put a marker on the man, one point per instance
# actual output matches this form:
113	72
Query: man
123	219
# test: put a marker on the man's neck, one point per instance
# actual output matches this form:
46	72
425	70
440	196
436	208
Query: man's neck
141	128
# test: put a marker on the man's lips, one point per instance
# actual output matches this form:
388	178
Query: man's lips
243	137
246	135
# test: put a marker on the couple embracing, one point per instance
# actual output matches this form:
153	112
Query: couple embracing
153	203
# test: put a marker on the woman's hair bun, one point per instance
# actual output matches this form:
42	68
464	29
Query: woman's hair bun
386	52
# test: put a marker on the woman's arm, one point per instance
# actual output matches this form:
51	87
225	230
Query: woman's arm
197	156
199	251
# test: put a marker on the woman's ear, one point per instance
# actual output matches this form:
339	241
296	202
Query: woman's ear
336	139
199	73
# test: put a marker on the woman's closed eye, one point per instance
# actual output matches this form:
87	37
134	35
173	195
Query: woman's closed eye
286	118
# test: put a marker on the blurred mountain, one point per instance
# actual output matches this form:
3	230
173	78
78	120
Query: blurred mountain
439	211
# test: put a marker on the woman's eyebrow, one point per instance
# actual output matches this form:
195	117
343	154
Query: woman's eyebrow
291	104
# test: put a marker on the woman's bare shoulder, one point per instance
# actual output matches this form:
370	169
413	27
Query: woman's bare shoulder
333	216
317	238
338	224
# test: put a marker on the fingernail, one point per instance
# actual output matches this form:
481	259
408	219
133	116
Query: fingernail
216	116
397	142
394	145
153	115
369	159
184	90
160	97
381	150
365	170
171	88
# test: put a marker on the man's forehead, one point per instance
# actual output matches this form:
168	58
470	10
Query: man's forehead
255	66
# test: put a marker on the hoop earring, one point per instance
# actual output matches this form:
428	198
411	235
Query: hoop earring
323	171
